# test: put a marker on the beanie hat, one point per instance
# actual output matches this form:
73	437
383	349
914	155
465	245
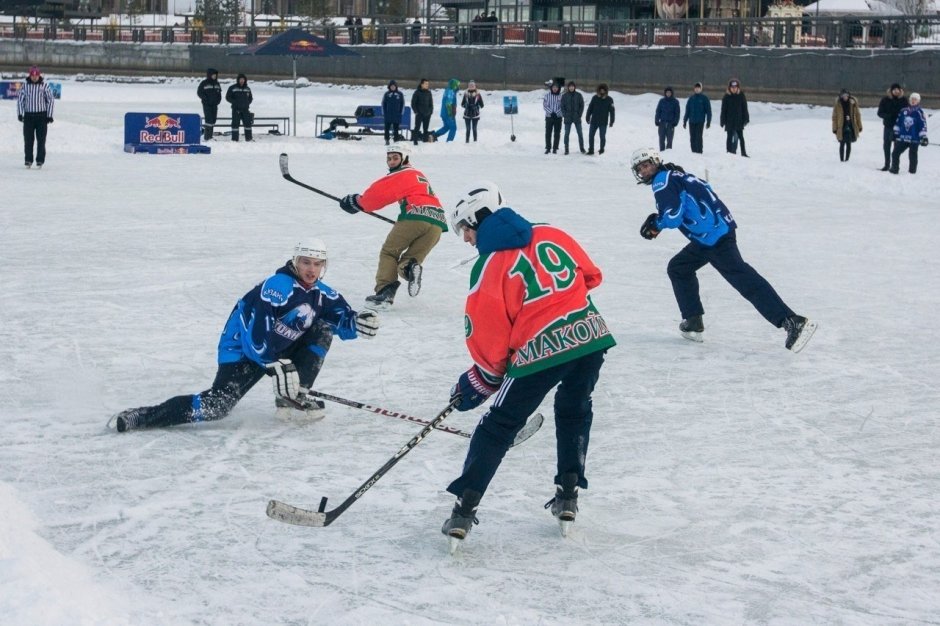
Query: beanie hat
392	82
914	96
34	71
734	83
472	84
667	90
699	85
895	86
844	92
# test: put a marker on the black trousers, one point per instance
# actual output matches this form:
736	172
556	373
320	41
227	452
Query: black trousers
516	400
887	138
471	124
243	116
595	127
577	127
899	148
724	257
391	130
552	132
35	126
695	136
234	380
735	136
666	132
420	133
210	112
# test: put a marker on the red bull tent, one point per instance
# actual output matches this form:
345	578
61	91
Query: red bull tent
296	42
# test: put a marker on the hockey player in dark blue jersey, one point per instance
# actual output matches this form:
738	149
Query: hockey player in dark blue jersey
689	204
283	327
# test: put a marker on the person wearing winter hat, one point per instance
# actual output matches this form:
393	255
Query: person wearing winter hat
393	105
846	123
698	115
239	96
667	118
472	103
572	108
734	117
910	132
34	106
449	111
888	110
210	93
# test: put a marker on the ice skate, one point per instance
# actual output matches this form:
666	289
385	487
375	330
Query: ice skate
384	299
462	519
565	503
127	420
799	331
412	274
693	328
302	408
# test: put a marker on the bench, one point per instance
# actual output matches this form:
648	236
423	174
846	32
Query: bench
274	125
367	121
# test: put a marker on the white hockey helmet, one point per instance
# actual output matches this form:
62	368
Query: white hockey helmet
480	200
401	148
644	155
313	248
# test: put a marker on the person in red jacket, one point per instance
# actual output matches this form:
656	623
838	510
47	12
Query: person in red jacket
530	326
413	236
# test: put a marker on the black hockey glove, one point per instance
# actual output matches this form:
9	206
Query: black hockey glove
350	203
286	379
367	324
648	230
924	141
472	388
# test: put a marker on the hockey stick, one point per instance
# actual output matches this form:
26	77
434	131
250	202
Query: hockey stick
321	517
532	426
285	172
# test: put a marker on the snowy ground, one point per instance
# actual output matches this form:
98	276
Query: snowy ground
730	482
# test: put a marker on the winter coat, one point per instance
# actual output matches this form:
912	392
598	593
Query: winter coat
572	106
551	103
209	90
393	105
472	103
239	96
667	111
600	111
449	100
698	109
734	115
911	126
422	102
838	119
889	107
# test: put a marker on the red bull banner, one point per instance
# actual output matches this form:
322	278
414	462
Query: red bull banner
10	90
163	133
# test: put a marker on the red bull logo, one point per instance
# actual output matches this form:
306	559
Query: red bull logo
159	129
303	45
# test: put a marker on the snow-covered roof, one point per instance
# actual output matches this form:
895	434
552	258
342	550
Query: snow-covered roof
850	7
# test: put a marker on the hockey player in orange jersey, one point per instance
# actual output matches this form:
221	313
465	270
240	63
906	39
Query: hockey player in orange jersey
530	326
414	235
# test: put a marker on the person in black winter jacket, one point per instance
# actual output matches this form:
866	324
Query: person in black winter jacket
734	116
210	92
472	103
888	110
393	105
600	113
239	96
572	108
667	118
698	116
422	106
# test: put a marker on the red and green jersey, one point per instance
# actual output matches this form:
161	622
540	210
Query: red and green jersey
411	190
529	308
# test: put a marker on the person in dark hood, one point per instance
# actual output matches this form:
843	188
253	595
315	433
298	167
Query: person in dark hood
600	113
210	92
888	110
34	105
667	118
422	107
698	117
734	116
572	108
393	105
239	96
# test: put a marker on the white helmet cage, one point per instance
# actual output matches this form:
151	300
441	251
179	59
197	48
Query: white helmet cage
480	200
642	156
313	248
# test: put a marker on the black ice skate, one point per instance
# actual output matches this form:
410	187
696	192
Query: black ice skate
693	328
302	408
127	420
799	331
412	274
462	518
565	503
384	299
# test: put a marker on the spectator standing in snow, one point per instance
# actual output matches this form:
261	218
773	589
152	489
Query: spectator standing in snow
551	103
698	115
572	108
734	117
422	107
210	93
34	106
472	102
600	114
910	132
667	118
846	123
239	96
393	105
449	110
888	110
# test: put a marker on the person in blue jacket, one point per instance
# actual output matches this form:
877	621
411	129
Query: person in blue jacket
283	327
393	106
910	132
698	116
449	110
689	204
667	118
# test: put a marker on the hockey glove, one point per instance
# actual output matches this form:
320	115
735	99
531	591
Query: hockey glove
924	141
286	379
648	230
472	389
367	324
350	203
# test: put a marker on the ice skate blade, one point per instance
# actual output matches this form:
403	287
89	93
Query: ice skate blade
805	335
565	526
693	336
454	543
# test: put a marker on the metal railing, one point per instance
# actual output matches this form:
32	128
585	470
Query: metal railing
868	32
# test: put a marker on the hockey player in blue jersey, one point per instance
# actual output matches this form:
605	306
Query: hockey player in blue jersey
689	204
283	327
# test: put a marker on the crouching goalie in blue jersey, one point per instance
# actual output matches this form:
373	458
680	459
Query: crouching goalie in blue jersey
282	328
689	204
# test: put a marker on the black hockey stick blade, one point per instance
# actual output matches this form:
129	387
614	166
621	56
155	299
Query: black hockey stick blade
285	172
317	519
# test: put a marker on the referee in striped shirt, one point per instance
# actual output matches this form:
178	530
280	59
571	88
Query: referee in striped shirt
34	108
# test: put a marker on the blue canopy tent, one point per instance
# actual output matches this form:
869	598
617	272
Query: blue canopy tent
296	42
